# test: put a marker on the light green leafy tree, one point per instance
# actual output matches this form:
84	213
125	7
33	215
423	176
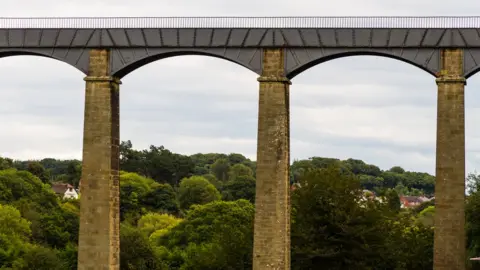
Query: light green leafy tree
217	235
196	190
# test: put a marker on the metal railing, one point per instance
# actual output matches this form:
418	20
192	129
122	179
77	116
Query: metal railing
241	22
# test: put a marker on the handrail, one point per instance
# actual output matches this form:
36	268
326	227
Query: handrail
240	22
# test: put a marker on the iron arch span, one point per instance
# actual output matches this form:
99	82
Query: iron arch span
75	58
124	61
299	60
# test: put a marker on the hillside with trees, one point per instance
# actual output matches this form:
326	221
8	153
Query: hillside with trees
196	212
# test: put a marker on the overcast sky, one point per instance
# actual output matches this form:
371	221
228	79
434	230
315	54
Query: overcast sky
375	109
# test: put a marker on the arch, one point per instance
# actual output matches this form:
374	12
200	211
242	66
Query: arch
247	58
80	62
472	72
30	88
471	63
427	60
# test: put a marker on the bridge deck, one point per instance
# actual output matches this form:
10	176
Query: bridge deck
308	41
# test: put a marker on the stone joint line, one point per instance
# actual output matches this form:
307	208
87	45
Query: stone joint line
274	79
102	79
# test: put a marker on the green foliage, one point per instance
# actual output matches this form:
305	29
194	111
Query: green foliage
333	227
426	216
397	169
51	170
393	200
348	236
221	169
139	194
242	187
218	235
161	198
69	256
240	170
6	163
152	222
406	245
214	181
39	171
39	258
156	163
370	176
196	190
17	186
14	234
472	214
136	252
51	224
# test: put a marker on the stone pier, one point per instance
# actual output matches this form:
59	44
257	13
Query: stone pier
449	246
272	203
99	238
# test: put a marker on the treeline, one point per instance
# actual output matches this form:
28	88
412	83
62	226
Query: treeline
164	166
371	177
196	227
196	212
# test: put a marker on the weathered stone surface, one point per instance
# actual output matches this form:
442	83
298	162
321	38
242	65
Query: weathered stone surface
99	239
449	246
272	204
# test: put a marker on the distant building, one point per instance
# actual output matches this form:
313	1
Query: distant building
369	195
66	191
294	186
413	201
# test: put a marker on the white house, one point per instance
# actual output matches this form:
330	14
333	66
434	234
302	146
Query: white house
66	191
70	193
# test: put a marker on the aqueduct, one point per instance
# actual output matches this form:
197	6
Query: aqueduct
277	49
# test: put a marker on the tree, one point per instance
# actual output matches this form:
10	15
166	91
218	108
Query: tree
397	169
14	234
139	194
39	258
239	170
221	169
370	182
329	225
217	235
213	180
39	171
152	222
196	190
161	198
407	245
136	253
17	186
242	187
359	167
74	172
156	163
473	183
393	200
51	225
426	217
6	163
472	211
